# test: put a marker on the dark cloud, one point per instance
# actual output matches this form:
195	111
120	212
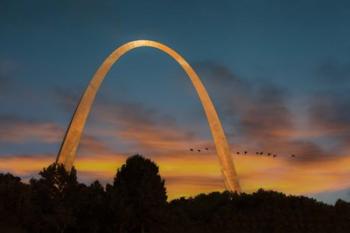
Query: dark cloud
3	84
146	128
268	112
91	145
66	98
330	113
259	107
218	74
259	115
6	75
128	112
334	71
17	130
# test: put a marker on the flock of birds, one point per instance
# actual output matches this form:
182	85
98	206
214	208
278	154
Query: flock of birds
198	150
245	152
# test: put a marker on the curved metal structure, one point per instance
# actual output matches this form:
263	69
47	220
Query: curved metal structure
75	129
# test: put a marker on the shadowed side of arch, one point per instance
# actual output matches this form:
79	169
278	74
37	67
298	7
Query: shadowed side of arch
75	129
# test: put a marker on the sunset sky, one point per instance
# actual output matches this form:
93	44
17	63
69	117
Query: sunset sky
277	71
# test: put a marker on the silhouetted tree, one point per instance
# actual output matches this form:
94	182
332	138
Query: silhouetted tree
342	210
93	212
13	202
54	197
136	202
139	196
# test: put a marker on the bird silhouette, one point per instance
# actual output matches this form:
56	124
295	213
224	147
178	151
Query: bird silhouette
199	150
191	149
206	148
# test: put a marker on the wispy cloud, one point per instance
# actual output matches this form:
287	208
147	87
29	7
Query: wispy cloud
259	116
330	114
146	128
143	127
186	174
18	130
6	74
333	71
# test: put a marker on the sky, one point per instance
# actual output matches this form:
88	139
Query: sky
278	73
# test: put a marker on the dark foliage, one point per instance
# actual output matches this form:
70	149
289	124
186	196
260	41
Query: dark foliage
138	196
136	202
263	211
14	203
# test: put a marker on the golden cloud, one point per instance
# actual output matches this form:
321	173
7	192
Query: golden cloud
188	174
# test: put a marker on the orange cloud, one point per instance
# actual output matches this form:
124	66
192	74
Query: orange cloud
16	130
188	174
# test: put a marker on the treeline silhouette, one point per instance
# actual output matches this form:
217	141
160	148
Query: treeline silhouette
137	202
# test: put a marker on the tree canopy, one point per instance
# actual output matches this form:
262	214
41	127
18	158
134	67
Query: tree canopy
136	202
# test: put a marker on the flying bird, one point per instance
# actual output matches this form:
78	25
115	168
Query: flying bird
206	148
191	149
199	150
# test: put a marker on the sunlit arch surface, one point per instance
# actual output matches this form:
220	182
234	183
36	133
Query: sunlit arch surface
75	129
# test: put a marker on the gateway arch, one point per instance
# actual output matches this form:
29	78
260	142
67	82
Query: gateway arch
67	152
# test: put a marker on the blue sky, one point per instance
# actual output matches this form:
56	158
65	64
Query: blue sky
271	67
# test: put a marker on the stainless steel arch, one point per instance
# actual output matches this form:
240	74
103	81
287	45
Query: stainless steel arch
75	129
